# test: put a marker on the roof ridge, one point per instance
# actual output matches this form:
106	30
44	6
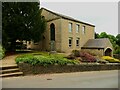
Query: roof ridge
66	17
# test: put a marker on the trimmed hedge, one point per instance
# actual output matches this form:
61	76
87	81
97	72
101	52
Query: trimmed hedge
44	60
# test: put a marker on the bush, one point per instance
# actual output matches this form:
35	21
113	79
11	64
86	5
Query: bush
76	53
2	52
71	56
110	59
86	57
44	60
117	51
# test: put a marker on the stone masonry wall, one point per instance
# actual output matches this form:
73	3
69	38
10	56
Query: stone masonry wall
29	69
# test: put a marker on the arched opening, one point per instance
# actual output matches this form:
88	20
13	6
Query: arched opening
52	37
108	52
52	32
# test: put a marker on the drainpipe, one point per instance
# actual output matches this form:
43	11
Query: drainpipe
60	34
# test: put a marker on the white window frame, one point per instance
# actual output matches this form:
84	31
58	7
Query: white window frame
70	27
83	29
70	44
77	28
77	44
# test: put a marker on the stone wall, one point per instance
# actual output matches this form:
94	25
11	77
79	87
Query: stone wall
29	69
65	34
97	52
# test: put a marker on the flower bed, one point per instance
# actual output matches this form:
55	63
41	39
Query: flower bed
110	59
44	60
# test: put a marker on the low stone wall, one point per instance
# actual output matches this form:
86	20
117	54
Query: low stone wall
29	69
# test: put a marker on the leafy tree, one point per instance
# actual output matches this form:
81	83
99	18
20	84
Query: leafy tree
21	21
118	39
97	35
103	35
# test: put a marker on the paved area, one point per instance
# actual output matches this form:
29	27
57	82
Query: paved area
94	79
8	60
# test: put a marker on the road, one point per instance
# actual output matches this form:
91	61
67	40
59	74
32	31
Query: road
94	79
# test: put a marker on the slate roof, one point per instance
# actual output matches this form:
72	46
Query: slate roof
67	17
98	43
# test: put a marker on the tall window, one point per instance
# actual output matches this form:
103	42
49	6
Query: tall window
70	27
52	32
70	41
77	28
83	29
77	41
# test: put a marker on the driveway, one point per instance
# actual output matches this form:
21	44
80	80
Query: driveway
94	79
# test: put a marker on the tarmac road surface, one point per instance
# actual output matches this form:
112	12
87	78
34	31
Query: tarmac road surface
94	79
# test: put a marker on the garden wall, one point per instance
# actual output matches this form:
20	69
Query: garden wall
97	52
29	69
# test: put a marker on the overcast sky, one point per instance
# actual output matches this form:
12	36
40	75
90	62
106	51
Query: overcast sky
104	15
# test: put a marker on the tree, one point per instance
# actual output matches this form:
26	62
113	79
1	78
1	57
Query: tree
21	21
118	39
103	35
97	35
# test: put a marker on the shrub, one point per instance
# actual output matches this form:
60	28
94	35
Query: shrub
117	51
87	57
2	52
71	56
44	60
76	53
110	59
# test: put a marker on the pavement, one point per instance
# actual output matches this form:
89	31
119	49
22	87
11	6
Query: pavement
94	79
8	60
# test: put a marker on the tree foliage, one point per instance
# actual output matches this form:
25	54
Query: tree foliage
97	35
21	21
118	39
103	35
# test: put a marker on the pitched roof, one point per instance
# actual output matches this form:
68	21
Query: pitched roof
66	17
98	43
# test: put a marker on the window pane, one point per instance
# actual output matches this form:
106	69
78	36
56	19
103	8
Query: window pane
70	42
70	27
77	41
77	28
83	29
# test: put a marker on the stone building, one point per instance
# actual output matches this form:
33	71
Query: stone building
101	47
64	34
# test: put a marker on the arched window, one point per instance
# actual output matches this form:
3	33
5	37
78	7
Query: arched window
52	32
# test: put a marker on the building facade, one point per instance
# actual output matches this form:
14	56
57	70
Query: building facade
63	33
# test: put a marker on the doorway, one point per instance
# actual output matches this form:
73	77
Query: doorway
108	52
